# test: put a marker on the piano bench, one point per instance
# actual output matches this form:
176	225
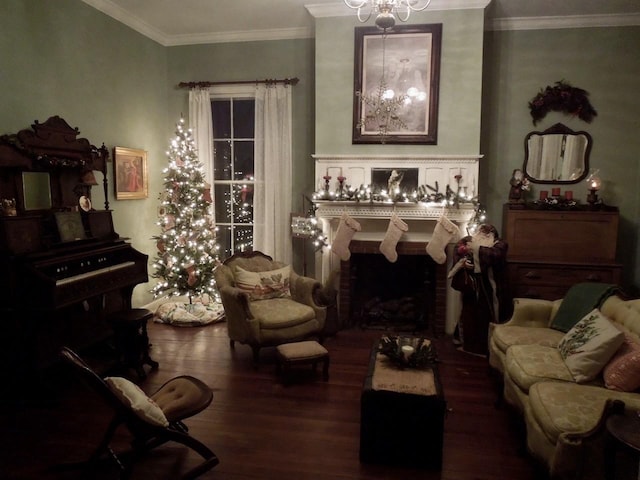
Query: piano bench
132	341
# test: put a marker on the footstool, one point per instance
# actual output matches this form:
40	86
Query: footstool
302	353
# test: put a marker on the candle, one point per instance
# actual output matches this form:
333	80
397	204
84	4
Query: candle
568	195
407	350
544	194
555	192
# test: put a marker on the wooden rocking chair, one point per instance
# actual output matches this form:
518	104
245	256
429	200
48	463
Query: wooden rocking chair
156	423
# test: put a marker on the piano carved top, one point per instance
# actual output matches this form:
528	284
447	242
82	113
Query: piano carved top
53	148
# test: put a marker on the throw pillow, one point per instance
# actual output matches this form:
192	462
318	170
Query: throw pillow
589	345
264	285
622	373
130	394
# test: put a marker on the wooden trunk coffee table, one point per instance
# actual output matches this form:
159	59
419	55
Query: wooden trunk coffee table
401	415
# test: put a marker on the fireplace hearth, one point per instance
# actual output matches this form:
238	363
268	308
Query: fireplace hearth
408	295
397	296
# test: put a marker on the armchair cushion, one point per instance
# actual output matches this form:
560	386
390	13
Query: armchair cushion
589	345
281	313
264	285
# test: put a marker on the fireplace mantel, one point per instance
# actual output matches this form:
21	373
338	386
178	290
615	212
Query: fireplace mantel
373	216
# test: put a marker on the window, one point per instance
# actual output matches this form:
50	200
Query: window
233	118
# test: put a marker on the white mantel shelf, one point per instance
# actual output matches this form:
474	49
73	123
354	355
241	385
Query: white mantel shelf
382	210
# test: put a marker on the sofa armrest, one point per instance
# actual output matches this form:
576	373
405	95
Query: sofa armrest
531	312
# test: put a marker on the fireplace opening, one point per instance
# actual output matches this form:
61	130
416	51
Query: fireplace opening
396	296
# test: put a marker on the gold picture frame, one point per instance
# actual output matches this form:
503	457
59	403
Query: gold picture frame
130	173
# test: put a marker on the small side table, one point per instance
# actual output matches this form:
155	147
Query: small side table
624	431
132	340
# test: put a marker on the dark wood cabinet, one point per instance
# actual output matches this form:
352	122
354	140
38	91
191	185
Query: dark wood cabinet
551	250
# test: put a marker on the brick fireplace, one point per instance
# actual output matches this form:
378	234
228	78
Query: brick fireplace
374	218
437	293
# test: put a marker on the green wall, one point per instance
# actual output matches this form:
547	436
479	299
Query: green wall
118	87
602	61
460	85
66	58
257	61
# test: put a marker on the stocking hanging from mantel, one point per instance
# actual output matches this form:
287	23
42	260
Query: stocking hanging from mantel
346	230
444	232
394	231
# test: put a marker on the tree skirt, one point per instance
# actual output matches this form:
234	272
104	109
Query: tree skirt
189	314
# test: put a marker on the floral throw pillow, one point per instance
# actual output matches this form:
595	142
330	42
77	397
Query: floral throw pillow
589	345
264	285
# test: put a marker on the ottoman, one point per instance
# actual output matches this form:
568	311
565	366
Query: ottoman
301	353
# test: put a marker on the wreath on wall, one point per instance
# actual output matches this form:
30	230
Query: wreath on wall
562	97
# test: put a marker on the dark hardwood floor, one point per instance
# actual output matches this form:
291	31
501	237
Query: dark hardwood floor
261	429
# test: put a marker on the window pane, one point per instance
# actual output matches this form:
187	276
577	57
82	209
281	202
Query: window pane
243	160
222	160
224	241
222	201
243	118
242	238
221	117
243	203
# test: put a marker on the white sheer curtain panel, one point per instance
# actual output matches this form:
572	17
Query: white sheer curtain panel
201	125
272	196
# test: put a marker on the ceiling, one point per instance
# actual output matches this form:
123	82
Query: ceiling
183	22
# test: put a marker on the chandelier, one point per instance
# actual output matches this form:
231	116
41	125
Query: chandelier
386	10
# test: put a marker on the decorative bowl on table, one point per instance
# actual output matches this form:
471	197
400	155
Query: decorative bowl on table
408	352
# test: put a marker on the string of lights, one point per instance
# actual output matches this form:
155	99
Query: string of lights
187	248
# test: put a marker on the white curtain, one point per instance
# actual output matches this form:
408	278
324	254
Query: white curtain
272	196
201	125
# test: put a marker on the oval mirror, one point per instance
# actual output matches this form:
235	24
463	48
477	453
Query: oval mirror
557	155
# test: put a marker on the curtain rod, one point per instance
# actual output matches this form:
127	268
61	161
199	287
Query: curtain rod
268	81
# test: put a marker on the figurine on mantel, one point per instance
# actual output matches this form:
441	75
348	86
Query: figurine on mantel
519	184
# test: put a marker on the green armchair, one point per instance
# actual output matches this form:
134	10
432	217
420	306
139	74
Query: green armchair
266	303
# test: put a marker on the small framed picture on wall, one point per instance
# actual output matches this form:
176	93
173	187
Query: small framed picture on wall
130	173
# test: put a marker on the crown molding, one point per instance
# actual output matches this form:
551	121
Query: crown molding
574	21
240	36
320	10
121	15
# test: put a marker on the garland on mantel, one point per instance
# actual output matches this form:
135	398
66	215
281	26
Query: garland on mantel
562	97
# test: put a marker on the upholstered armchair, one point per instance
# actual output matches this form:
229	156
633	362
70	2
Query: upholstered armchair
266	303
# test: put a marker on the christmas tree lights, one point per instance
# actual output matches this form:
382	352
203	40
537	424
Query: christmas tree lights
187	247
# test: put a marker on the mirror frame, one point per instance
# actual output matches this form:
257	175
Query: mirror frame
558	128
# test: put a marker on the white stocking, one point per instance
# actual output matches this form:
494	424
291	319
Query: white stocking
394	231
443	234
346	229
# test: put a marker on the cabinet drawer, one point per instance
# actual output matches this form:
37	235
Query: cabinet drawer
542	292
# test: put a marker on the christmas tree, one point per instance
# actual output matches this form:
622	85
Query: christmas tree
187	248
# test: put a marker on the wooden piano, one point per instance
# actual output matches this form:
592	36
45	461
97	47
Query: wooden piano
63	267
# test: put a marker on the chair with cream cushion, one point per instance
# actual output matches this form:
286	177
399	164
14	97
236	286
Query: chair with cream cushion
151	420
266	303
